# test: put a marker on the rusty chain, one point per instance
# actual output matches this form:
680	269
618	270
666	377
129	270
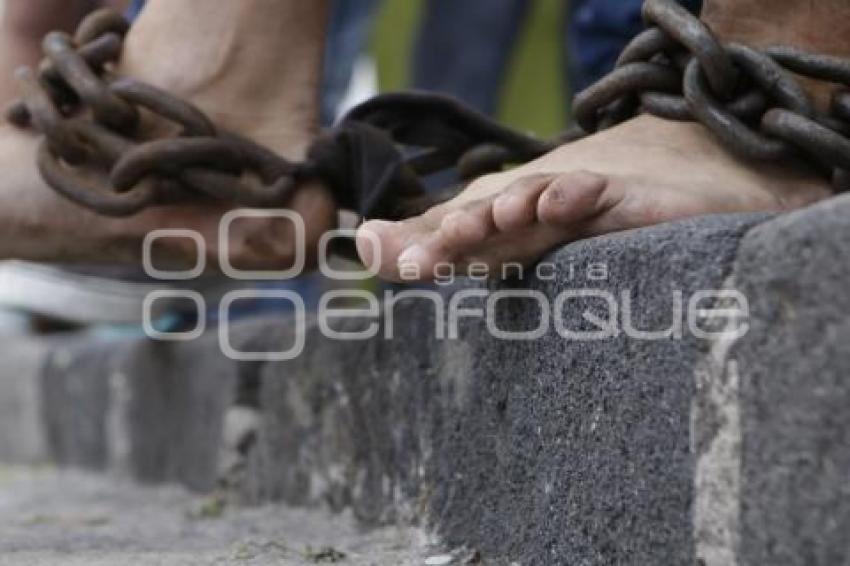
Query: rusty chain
95	152
750	99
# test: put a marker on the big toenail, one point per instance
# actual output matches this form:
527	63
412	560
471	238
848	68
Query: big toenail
556	196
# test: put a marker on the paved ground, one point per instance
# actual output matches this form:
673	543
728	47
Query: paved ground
65	519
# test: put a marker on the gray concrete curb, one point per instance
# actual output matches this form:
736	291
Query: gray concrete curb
545	452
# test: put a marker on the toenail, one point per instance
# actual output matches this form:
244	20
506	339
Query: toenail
556	195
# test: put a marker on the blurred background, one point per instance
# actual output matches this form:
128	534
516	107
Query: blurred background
535	93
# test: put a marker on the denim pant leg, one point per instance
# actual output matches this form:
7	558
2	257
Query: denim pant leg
348	33
464	47
135	8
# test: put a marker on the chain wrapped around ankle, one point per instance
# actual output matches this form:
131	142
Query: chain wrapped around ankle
94	152
748	98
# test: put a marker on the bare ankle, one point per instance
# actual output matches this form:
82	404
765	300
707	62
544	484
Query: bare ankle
822	26
34	18
24	23
258	56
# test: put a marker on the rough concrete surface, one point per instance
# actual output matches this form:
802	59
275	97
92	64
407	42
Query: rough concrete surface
20	401
547	452
70	519
795	391
551	451
149	408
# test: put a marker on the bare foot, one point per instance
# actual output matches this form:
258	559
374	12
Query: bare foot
643	172
639	173
228	62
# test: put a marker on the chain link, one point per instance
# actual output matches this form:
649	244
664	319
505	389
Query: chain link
688	31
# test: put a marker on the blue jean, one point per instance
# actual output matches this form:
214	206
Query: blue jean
464	46
348	32
135	8
597	31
